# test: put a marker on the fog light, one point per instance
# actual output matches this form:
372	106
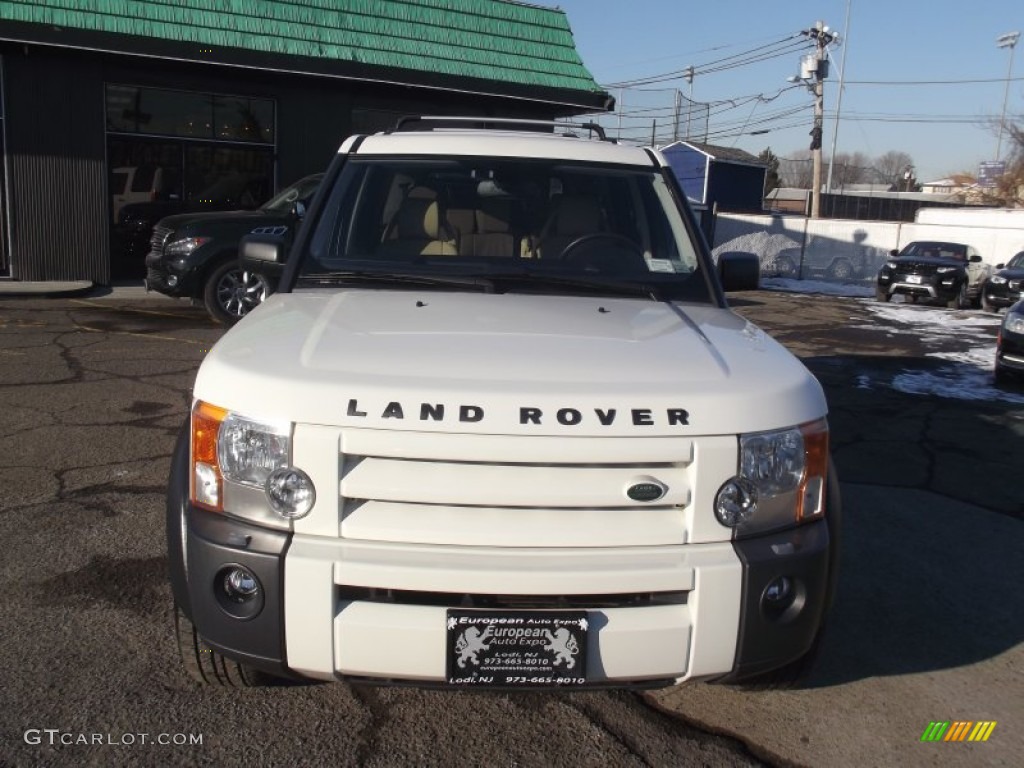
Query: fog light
240	584
290	492
238	592
779	590
735	502
172	280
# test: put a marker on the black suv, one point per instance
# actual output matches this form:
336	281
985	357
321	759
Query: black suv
936	271
1005	286
195	255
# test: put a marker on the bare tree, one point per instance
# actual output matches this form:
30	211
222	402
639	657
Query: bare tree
892	166
796	170
849	169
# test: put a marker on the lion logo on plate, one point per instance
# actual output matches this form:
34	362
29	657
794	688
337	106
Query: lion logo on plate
648	490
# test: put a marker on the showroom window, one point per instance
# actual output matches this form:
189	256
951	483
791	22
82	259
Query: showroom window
190	115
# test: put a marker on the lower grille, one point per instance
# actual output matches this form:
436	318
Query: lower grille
511	602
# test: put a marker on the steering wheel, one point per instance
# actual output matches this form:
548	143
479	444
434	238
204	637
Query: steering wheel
606	259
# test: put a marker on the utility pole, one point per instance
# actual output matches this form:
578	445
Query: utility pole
688	74
815	66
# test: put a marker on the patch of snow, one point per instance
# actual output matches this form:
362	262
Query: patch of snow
819	287
968	374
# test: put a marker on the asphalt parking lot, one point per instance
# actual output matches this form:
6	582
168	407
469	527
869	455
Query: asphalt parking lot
927	626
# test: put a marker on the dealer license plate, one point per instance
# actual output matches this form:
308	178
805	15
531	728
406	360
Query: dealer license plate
517	648
915	279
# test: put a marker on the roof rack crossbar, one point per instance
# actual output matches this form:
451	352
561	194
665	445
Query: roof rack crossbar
433	122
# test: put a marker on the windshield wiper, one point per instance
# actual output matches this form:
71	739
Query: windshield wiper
400	278
603	284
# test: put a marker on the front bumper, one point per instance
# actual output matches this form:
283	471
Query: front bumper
1010	352
340	609
1002	295
164	278
937	287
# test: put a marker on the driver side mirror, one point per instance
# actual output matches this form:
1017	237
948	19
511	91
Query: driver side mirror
264	254
975	259
739	271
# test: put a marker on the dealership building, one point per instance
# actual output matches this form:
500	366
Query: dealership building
106	103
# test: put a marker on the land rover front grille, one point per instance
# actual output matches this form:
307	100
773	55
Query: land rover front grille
513	491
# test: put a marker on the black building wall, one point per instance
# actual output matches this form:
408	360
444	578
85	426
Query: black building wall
56	161
57	141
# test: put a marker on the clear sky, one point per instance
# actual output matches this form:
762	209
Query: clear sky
895	50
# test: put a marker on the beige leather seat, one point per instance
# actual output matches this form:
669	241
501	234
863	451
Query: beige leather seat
418	230
492	236
574	216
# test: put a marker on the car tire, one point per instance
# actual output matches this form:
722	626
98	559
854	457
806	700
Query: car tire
840	269
959	301
784	266
882	295
230	292
208	667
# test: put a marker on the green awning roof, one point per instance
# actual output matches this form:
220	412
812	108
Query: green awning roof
497	40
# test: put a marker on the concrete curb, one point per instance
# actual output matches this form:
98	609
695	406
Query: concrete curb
45	289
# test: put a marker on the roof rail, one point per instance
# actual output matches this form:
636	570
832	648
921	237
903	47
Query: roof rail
434	122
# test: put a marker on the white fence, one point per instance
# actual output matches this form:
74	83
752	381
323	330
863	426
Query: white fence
845	250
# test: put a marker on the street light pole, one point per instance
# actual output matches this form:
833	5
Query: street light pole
839	96
1005	41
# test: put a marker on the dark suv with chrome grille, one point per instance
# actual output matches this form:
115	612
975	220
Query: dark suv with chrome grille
195	255
952	273
1006	286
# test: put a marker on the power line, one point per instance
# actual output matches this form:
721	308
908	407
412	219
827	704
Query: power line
934	82
790	42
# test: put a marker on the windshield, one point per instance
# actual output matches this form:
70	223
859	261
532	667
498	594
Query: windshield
523	224
954	251
302	190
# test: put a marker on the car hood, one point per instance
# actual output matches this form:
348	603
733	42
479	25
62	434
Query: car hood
242	218
1011	273
506	364
909	261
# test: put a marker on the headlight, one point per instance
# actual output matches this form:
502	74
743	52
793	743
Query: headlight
184	246
781	480
998	280
891	265
1014	323
944	270
248	451
230	451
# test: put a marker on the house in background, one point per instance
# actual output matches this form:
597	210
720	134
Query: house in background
729	179
957	185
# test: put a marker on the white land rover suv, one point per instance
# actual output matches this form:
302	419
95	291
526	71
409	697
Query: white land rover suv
499	428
